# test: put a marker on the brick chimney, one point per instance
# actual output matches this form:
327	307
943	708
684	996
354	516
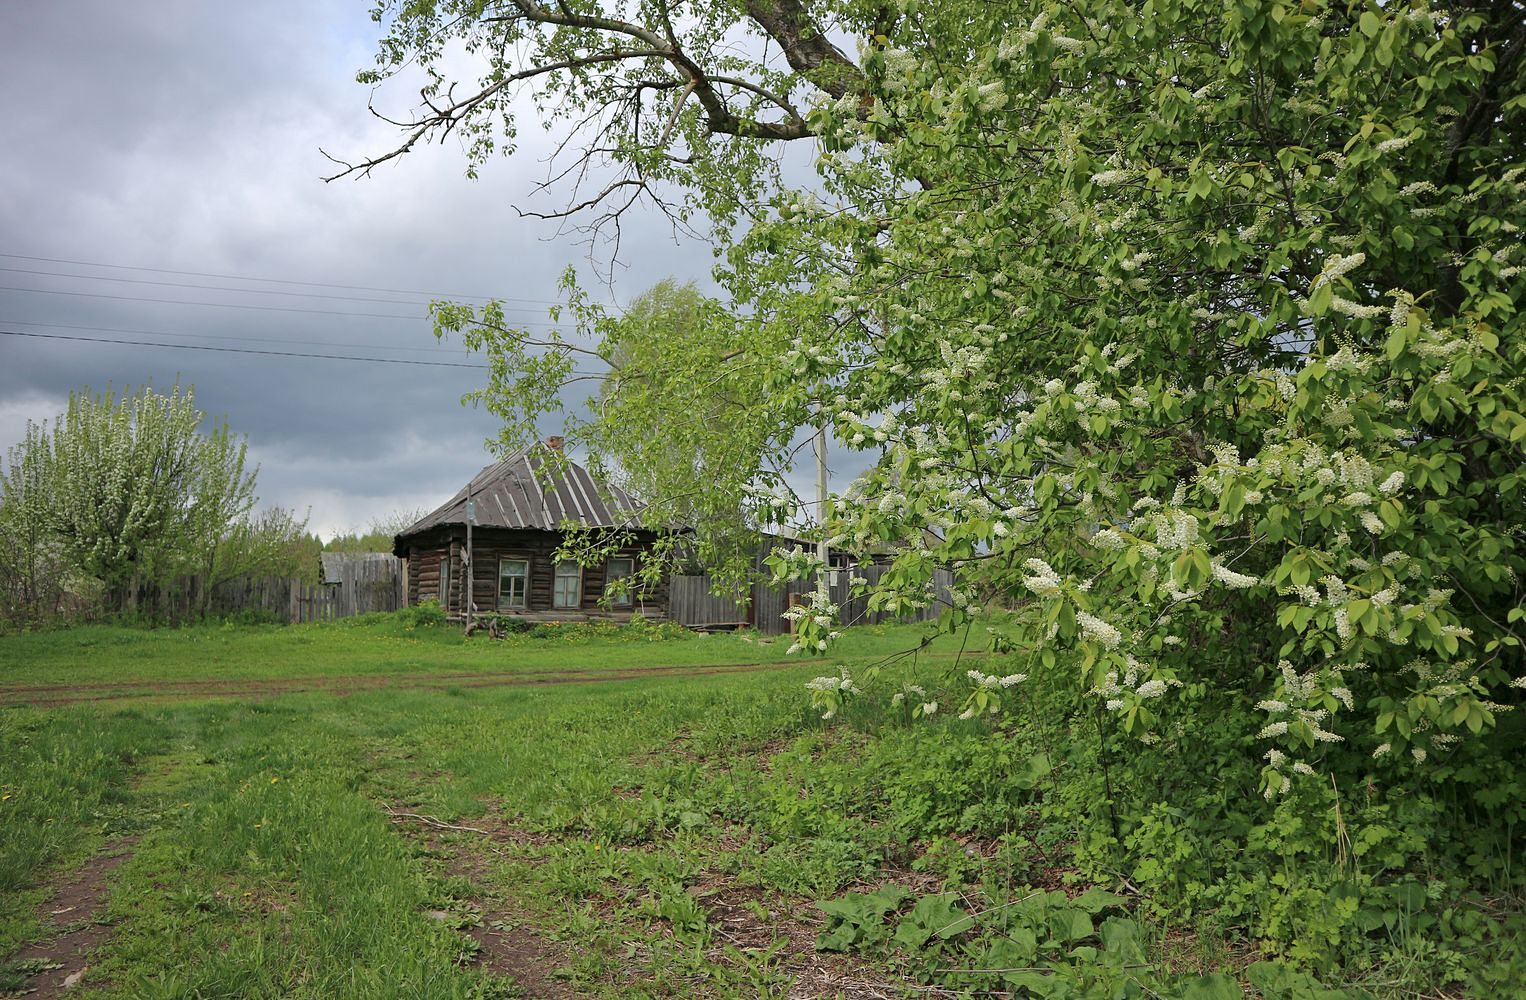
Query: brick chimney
554	442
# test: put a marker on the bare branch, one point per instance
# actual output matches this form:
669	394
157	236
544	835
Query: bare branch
805	46
678	107
445	119
589	203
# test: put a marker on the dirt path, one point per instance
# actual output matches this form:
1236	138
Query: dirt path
506	945
71	916
70	694
748	923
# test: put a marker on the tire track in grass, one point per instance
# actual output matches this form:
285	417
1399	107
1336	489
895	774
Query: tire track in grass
760	936
74	933
46	695
505	945
318	680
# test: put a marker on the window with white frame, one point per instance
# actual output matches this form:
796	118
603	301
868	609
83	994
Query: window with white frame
513	584
620	568
567	588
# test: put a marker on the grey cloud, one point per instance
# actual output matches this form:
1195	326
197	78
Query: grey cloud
185	136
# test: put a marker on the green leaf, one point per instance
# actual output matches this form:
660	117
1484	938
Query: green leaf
1214	986
1073	924
933	916
1096	899
1122	939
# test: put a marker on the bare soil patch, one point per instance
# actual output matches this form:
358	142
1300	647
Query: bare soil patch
72	915
505	944
753	921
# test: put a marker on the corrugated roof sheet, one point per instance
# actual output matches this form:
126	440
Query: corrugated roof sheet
526	490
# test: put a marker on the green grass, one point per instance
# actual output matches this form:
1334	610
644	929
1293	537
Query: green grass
379	645
63	787
625	812
267	865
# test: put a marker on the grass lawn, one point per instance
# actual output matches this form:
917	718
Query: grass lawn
639	832
262	858
367	646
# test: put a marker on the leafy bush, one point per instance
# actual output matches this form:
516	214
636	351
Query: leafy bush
425	614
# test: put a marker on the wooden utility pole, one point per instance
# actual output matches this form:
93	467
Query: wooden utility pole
822	551
470	604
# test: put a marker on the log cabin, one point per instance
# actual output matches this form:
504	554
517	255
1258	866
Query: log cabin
522	507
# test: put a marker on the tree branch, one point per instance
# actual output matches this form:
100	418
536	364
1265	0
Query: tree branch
806	47
445	119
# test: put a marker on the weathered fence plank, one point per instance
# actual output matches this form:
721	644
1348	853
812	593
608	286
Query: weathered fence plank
353	586
691	603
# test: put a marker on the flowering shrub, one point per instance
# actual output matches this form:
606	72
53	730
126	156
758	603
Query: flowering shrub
129	488
1251	420
1190	336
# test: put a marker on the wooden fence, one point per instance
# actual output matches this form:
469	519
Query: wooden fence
358	583
352	586
362	582
691	603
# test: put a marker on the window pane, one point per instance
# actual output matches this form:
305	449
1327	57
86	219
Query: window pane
568	589
619	569
513	583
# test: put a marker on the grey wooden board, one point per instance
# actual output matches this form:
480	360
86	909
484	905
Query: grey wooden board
693	604
364	586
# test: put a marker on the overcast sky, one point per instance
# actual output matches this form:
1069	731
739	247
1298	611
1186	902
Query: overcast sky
150	147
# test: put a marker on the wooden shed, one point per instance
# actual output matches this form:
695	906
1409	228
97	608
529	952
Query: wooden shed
523	506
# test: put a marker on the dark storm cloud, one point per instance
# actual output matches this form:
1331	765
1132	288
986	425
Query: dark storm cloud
185	136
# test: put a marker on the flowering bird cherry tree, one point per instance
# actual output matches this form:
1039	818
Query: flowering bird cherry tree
1191	331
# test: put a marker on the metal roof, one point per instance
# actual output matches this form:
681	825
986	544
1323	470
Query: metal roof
528	490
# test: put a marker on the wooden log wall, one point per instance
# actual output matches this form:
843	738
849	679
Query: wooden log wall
537	548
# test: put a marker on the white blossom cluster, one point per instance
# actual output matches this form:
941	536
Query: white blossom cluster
831	692
1099	631
843	682
993	682
1120	691
1041	578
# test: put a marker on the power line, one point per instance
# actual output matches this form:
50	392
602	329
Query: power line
278	281
244	350
223	305
210	288
215	287
238	305
212	336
